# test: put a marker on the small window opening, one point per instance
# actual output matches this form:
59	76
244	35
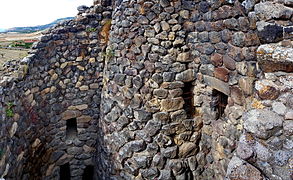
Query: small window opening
219	103
71	128
188	100
65	172
88	173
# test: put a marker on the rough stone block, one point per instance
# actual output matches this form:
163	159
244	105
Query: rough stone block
222	74
217	84
172	104
69	114
262	123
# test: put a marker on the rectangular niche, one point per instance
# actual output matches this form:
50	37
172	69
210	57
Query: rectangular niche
219	103
65	172
188	100
88	173
71	128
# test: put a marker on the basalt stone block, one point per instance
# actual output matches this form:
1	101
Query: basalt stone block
187	149
186	76
150	173
172	104
162	117
169	152
222	74
237	95
217	59
184	57
243	170
270	33
238	39
288	128
204	6
229	62
244	151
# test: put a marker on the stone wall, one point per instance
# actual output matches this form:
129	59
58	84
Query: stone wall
175	65
160	90
60	81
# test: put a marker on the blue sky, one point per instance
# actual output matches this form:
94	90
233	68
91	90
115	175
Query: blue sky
18	13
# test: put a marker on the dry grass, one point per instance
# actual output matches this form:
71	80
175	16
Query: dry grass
9	37
105	31
11	54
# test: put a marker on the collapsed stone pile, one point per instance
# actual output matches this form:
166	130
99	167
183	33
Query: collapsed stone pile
155	89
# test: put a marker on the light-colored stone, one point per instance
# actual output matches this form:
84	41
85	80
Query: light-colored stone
262	123
184	57
279	108
84	88
13	129
84	119
187	149
69	114
172	104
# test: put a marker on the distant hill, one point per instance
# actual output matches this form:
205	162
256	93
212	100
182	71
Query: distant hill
35	28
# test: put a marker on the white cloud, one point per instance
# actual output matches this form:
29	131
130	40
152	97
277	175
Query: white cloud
16	13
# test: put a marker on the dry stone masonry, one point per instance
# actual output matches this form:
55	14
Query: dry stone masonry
154	89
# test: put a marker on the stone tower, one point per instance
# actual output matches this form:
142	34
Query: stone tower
155	89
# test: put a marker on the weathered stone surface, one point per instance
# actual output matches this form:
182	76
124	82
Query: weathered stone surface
237	95
246	85
289	115
217	59
288	128
184	57
272	58
245	171
222	74
169	152
244	151
262	123
270	10
279	108
186	76
268	92
187	149
172	104
70	114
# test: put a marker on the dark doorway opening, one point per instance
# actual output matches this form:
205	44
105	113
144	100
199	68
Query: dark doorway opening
188	100
71	128
65	172
219	103
88	173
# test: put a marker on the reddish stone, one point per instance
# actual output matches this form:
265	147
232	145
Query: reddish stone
222	74
229	63
217	59
268	93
